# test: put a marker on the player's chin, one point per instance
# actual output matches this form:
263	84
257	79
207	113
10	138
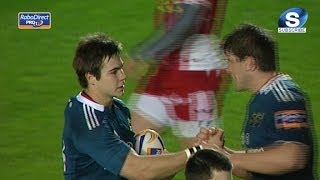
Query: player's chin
239	88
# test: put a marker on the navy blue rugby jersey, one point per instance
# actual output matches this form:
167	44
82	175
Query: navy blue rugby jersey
278	114
96	139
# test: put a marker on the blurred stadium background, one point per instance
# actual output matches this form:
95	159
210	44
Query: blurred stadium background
37	79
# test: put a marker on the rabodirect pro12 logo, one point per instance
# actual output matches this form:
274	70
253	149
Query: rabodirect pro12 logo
34	20
292	21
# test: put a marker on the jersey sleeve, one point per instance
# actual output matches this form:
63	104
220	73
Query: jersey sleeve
100	143
292	121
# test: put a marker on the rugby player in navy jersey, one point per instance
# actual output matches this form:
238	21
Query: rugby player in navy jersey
277	132
97	137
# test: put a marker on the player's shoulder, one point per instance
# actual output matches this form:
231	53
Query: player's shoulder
282	89
83	112
72	104
80	101
73	107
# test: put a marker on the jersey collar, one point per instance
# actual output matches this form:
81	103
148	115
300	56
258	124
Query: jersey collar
269	84
89	102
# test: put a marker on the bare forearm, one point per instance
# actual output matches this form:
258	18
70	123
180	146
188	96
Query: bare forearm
237	171
278	160
162	167
151	167
243	174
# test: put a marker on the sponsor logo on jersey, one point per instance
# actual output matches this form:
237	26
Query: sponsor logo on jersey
34	20
256	119
289	119
292	21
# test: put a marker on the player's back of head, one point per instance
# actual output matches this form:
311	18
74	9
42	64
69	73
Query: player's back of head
208	165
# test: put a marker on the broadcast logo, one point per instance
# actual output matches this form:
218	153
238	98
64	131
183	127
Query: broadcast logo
34	20
292	21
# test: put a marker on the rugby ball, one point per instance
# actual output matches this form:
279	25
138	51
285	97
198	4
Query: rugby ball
149	142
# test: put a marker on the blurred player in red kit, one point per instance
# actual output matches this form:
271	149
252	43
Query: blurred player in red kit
185	86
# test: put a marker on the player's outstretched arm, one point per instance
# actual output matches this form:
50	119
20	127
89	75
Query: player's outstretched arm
152	167
275	160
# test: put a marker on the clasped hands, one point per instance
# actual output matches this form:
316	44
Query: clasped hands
211	138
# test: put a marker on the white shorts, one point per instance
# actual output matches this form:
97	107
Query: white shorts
162	111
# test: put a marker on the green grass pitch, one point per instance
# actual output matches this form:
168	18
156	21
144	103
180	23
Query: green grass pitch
37	79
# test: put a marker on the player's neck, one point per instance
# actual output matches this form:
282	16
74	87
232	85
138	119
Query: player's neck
262	79
95	97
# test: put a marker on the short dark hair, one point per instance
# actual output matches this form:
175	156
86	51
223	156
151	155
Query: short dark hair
251	40
203	163
92	50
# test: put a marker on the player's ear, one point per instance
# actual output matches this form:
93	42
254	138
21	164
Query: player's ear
91	78
250	63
